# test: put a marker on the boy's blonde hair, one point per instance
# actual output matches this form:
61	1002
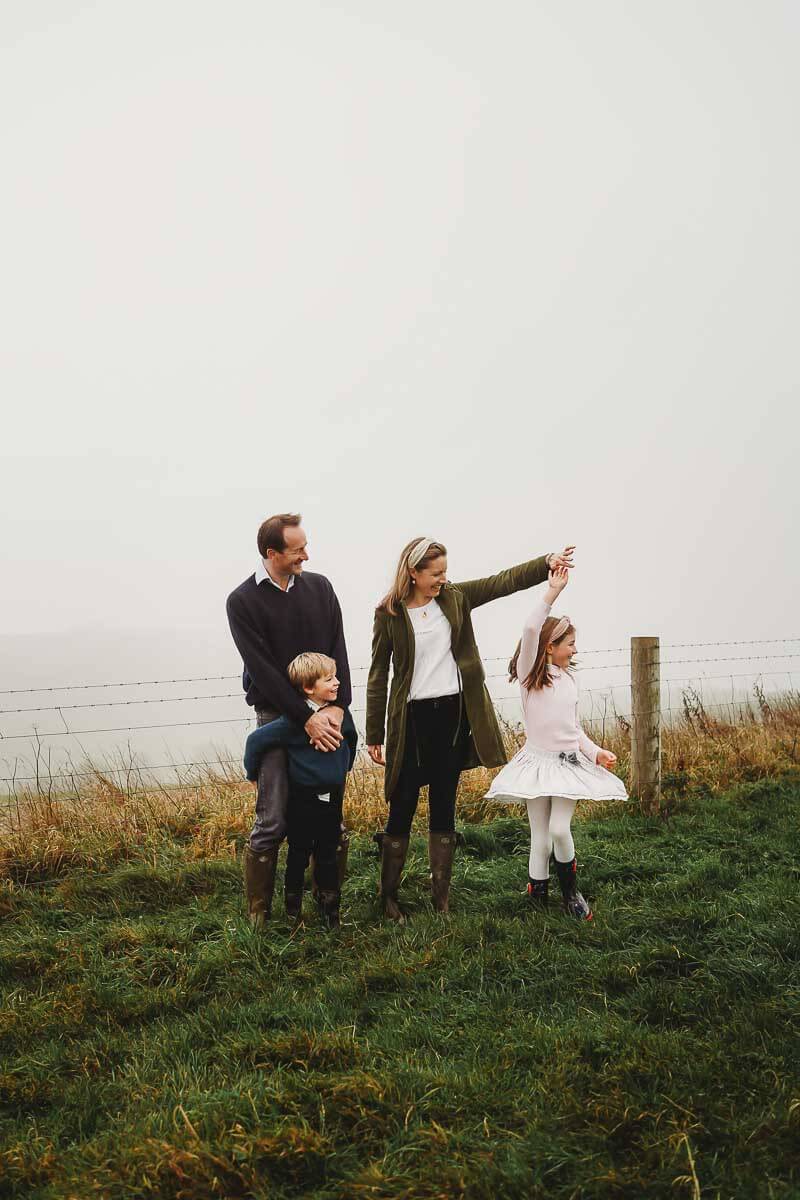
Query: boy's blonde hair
306	669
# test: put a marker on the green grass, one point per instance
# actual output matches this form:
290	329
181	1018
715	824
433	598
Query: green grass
151	1045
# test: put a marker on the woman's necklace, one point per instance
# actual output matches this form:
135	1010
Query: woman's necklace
424	609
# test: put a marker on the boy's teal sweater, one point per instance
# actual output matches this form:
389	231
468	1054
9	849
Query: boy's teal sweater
318	770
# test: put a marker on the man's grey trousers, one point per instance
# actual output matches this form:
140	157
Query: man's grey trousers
272	795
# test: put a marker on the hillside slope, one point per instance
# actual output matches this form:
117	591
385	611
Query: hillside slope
152	1046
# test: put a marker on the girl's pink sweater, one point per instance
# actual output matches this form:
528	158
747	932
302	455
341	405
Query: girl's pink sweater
551	713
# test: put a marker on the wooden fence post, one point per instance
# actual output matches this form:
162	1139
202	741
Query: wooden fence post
646	725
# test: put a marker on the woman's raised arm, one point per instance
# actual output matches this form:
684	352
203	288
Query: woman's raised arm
515	579
505	583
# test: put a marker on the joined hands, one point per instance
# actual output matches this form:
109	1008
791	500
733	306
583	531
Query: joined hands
562	559
324	728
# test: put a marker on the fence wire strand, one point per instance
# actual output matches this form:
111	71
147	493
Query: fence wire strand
76	687
667	662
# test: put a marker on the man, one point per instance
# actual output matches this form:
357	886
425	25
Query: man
277	613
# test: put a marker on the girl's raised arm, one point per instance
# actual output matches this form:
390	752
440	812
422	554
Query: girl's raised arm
532	629
531	632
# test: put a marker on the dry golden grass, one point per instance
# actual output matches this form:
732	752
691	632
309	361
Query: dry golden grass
96	817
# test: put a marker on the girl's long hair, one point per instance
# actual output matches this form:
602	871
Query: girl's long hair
403	585
539	675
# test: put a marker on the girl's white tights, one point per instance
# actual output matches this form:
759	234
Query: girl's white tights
550	818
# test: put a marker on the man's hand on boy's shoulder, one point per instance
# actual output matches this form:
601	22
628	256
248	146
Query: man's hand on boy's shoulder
324	728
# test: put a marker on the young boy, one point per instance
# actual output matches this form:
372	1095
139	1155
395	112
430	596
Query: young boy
316	786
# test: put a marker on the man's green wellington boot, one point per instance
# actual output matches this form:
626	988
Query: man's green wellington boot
259	884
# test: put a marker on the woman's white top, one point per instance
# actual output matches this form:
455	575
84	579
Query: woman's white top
435	670
551	713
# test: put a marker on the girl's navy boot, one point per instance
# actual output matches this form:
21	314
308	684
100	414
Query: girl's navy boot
574	903
537	892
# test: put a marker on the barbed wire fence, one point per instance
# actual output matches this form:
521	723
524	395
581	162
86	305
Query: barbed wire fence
27	753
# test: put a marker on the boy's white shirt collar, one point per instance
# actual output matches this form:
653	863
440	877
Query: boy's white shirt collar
262	575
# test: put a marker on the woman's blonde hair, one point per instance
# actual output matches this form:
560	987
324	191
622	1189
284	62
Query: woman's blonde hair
539	676
403	584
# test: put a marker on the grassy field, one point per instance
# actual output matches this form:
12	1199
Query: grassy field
151	1045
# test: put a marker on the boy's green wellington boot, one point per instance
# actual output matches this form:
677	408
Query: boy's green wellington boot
328	904
341	857
293	902
341	863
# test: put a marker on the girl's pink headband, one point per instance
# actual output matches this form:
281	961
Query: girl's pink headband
562	626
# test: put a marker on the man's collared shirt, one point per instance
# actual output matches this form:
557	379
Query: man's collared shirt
262	575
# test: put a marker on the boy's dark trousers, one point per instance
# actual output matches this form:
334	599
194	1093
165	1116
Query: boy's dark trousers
314	827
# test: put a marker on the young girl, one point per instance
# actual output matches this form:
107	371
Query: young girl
559	764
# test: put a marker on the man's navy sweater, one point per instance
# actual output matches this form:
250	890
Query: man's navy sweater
271	627
321	771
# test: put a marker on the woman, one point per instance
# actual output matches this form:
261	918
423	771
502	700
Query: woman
441	719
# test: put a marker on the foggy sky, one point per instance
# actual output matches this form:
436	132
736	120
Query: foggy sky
508	276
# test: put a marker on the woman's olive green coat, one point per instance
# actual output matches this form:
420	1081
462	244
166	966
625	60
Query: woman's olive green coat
393	642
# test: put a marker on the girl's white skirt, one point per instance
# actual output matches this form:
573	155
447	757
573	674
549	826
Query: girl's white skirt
533	772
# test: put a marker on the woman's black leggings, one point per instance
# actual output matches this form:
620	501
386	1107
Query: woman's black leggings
434	753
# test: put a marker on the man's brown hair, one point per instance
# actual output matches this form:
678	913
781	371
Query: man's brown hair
270	532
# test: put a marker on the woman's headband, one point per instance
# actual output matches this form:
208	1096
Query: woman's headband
561	627
419	551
